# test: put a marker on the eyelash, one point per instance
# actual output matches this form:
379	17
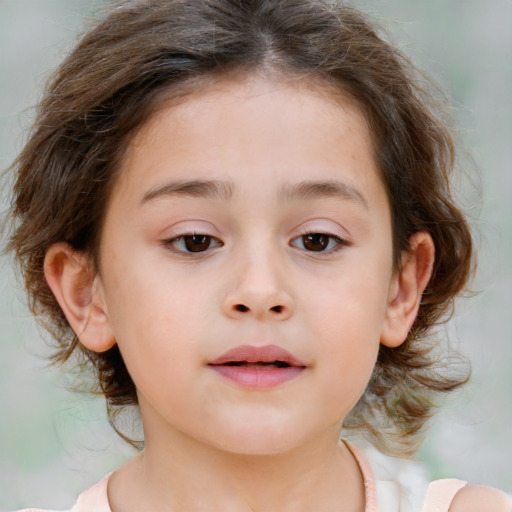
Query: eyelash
340	242
171	243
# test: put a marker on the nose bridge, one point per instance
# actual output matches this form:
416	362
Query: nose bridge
258	286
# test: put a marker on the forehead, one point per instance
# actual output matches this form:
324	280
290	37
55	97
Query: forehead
253	132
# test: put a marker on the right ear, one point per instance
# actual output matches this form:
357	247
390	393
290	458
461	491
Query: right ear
80	295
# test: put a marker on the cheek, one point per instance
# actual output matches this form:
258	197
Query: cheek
157	340
347	318
351	306
153	316
349	339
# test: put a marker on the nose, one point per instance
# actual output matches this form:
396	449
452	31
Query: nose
259	292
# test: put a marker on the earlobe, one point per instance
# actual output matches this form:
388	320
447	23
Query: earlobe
80	295
407	289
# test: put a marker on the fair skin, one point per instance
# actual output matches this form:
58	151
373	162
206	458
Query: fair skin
251	214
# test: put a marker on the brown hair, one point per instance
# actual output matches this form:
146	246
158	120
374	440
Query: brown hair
146	50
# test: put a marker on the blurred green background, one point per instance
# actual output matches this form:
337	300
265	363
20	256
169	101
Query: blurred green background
54	443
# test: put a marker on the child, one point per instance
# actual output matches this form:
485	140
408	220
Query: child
238	212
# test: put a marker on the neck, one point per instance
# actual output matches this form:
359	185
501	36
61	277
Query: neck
187	475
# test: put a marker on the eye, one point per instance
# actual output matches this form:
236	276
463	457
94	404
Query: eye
318	242
192	243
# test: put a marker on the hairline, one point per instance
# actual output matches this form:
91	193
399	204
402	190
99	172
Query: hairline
179	92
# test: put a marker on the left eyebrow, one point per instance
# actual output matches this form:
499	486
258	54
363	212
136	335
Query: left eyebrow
305	190
194	188
320	189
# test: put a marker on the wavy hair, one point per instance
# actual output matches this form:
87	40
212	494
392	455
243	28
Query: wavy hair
147	51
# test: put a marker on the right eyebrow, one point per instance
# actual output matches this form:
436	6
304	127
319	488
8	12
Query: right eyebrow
195	188
307	190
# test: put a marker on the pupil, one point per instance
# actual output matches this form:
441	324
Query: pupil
316	242
197	243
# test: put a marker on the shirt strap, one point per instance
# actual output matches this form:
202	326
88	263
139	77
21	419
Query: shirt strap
94	499
370	492
440	494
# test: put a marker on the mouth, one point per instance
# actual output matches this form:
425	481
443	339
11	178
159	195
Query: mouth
258	368
259	364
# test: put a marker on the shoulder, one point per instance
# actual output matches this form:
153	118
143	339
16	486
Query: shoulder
39	510
477	498
94	499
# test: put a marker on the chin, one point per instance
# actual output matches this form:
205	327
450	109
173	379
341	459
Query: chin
258	448
260	439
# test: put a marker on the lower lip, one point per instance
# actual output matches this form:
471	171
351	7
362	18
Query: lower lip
258	379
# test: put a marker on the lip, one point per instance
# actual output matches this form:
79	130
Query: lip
252	367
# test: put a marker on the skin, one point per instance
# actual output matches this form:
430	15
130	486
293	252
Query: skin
173	312
478	498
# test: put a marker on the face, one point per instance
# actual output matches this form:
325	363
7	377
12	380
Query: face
246	265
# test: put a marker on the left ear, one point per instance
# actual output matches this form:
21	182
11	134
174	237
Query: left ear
407	288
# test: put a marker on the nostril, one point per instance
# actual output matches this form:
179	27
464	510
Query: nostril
241	308
277	309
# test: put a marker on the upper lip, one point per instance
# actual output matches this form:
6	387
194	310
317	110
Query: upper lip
258	354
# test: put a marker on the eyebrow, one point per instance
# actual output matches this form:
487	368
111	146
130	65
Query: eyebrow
320	189
215	189
195	188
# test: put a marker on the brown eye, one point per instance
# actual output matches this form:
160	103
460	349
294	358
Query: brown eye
193	243
318	242
315	242
197	243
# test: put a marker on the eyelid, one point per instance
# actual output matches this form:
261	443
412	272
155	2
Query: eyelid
169	243
324	225
187	227
341	242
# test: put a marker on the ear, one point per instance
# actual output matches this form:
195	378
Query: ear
407	289
79	293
